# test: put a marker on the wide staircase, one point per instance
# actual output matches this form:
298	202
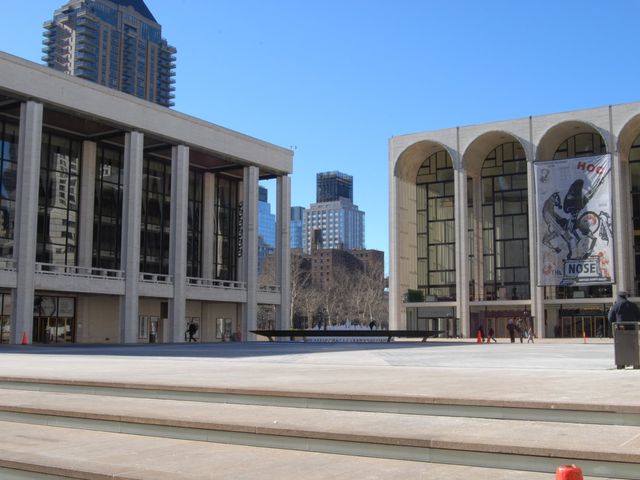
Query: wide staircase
52	429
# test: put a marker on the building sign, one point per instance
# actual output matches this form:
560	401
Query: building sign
575	232
240	229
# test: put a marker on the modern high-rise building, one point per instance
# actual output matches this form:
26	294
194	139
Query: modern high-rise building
116	43
338	224
297	227
266	228
332	186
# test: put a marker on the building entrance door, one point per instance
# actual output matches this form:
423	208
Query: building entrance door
53	330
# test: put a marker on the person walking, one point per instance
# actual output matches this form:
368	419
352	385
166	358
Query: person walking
491	336
191	330
530	335
512	330
623	310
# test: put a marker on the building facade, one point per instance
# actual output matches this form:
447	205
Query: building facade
116	43
297	227
123	221
332	186
338	225
473	242
266	228
333	221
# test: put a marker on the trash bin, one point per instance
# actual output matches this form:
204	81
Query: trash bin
626	337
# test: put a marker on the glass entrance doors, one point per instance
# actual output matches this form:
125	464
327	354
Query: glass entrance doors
576	326
53	330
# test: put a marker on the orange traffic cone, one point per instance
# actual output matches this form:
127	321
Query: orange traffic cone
569	472
24	338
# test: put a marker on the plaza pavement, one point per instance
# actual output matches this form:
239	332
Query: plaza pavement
567	374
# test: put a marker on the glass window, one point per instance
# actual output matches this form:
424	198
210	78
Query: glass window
58	200
8	182
107	215
227	213
505	221
436	229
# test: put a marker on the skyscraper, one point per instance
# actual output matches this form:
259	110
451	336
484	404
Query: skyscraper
297	227
332	186
116	43
266	228
334	222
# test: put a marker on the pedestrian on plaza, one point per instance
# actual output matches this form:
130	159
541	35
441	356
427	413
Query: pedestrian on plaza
512	330
520	327
623	310
491	336
191	330
372	325
480	332
530	334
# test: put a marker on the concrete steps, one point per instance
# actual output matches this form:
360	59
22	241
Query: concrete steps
511	437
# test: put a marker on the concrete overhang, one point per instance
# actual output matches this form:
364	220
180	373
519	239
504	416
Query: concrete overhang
96	104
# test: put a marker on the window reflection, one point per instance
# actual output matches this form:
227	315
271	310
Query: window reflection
58	200
8	179
108	208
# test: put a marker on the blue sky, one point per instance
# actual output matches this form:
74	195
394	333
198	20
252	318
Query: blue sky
337	79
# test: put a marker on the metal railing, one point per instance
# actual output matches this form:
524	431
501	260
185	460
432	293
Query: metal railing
158	278
214	283
270	288
79	272
7	264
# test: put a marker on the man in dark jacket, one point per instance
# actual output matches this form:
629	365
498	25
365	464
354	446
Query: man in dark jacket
623	310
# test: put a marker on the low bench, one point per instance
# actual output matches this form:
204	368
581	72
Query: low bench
424	334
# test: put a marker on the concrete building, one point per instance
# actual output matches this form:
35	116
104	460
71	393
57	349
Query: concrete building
124	221
116	43
485	228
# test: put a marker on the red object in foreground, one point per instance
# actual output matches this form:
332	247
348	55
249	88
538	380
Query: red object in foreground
569	472
479	337
24	338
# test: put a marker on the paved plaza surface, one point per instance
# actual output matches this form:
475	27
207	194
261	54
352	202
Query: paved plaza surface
569	374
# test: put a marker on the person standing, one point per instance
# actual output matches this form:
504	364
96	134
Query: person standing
530	334
623	310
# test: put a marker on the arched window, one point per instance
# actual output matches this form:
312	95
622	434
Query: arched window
505	223
435	205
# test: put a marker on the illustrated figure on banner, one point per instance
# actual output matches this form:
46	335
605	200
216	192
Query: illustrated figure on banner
580	229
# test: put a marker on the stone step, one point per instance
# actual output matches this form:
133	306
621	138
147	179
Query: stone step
53	453
601	450
533	410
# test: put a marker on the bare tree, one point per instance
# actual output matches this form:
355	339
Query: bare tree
300	277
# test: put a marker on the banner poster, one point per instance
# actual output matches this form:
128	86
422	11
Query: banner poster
575	235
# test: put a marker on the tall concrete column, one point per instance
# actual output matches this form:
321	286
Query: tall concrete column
462	250
395	295
537	293
87	203
478	243
283	226
130	243
178	241
26	224
208	224
622	245
250	250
